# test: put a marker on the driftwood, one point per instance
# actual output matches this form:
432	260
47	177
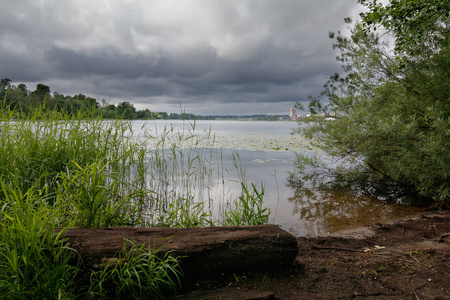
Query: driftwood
201	251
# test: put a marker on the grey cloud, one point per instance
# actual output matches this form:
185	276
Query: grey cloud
105	62
163	52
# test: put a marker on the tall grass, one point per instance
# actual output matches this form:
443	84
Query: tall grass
136	273
58	170
247	209
34	262
37	148
95	197
180	173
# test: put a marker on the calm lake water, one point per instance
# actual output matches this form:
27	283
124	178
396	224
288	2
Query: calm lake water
266	151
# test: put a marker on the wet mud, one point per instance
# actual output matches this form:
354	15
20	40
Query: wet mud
405	259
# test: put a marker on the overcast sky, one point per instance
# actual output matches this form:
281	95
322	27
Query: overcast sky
209	57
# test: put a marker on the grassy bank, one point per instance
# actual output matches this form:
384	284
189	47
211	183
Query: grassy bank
84	171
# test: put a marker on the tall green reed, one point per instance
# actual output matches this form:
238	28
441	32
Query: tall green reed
37	148
179	173
61	170
184	168
37	263
34	261
83	171
247	209
95	197
100	175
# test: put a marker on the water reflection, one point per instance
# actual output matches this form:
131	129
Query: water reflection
265	152
327	211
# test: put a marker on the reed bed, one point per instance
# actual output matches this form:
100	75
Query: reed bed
60	170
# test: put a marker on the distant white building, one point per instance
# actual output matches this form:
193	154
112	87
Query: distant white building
292	113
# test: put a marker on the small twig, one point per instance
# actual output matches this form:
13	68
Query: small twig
410	254
437	232
347	249
415	294
386	279
337	248
404	259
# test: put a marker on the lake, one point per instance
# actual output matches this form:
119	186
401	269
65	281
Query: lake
264	152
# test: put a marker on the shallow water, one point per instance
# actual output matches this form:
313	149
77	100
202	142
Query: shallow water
266	151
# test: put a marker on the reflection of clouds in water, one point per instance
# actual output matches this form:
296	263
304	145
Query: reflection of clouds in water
267	155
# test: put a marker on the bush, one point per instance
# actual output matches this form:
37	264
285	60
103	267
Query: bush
390	111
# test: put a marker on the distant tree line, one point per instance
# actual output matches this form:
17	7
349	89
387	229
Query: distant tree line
254	117
18	97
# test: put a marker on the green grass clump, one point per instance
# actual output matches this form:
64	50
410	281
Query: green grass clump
34	262
93	197
37	263
60	170
136	273
248	208
35	149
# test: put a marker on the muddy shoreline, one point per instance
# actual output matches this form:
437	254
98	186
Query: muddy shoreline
405	259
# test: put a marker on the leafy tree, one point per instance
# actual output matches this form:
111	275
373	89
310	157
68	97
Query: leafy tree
126	110
42	91
391	105
11	95
84	102
20	98
108	111
38	96
143	114
4	83
23	88
413	23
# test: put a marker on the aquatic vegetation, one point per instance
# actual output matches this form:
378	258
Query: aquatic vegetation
59	170
257	142
248	208
262	142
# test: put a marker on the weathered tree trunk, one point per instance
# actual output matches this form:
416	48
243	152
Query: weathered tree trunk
201	251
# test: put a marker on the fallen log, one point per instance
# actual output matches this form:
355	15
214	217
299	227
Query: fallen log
201	251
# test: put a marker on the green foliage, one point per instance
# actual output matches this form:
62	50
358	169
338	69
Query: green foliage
63	170
34	262
411	22
36	150
180	171
391	108
184	213
18	98
248	209
137	273
92	197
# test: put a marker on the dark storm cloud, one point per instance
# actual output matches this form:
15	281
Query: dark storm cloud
207	55
104	62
